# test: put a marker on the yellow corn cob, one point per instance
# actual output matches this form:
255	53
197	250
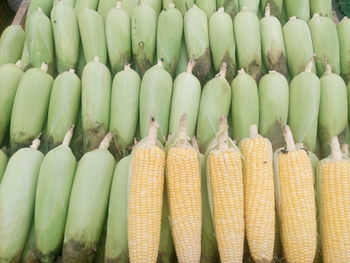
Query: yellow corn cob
145	198
225	186
259	195
296	202
183	179
334	204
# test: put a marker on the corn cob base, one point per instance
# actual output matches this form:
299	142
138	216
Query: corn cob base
281	64
93	137
78	252
202	68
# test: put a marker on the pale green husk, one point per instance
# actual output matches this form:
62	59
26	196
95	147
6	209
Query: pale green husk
322	7
183	5
11	44
17	198
344	47
81	61
65	28
298	44
129	6
118	37
183	59
10	76
81	5
276	7
208	6
3	163
155	4
104	6
30	107
298	8
252	5
248	42
169	38
66	2
231	6
25	57
326	43
45	5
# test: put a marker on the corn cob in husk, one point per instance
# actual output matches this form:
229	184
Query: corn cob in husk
185	100
251	5
10	76
183	60
208	6
17	198
197	45
45	5
231	6
88	204
155	4
11	44
344	47
29	254
276	7
30	107
52	199
222	42
81	5
273	107
215	103
298	8
129	6
272	44
66	2
155	100
298	44
248	41
169	41
40	40
325	42
322	7
245	104
143	37
3	163
304	101
104	6
124	112
93	38
95	103
65	29
118	37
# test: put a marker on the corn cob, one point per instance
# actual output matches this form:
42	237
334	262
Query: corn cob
124	112
298	8
29	254
155	99
104	6
225	188
333	187
344	47
17	198
322	7
45	5
231	6
63	108
81	5
155	4
222	42
304	101
10	76
52	198
273	107
183	60
245	104
65	28
11	44
39	40
272	43
88	204
295	202
197	45
129	6
66	2
183	179
251	5
3	163
259	195
169	41
247	35
143	36
298	44
93	38
28	118
145	198
276	7
208	6
185	100
118	37
215	102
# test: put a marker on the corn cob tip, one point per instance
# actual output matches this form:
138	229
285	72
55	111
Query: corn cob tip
40	10
160	62
316	15
106	141
44	67
253	131
245	8
72	70
68	136
310	64
299	145
223	133
19	64
293	18
127	66
190	66
288	137
194	6
335	149
221	10
328	69
241	71
272	71
171	5
345	149
345	18
223	69
35	144
119	4
152	133
194	143
96	59
267	10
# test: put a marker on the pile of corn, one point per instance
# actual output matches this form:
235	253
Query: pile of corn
175	131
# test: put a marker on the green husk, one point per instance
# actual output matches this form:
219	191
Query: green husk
45	5
298	44
124	109
25	58
273	104
52	198
66	2
215	103
272	44
344	48
95	99
304	101
93	38
65	28
81	61
104	6
129	6
169	41
155	4
3	163
298	8
245	105
40	40
185	100
252	5
248	43
30	107
81	5
101	250
11	44
29	254
325	42
183	5
322	7
183	60
276	7
222	42
10	76
118	38
231	6
208	6
17	198
78	137
88	204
